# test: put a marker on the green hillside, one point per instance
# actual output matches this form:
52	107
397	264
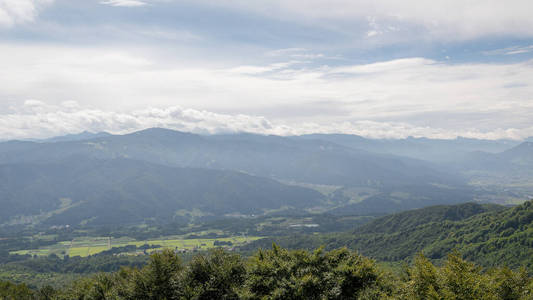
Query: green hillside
487	234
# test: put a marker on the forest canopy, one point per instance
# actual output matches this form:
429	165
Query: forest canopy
289	274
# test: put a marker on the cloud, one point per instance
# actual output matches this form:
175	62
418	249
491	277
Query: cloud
301	55
451	19
14	12
33	103
372	33
441	98
51	120
171	35
510	50
124	3
255	70
58	120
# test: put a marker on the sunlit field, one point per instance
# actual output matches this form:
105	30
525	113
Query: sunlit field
93	245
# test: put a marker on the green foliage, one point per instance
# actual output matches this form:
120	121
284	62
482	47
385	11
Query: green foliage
79	265
157	279
11	291
298	274
216	275
488	235
459	279
289	274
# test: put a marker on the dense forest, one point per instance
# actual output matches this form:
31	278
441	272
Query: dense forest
289	274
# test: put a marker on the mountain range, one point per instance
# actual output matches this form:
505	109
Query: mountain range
164	175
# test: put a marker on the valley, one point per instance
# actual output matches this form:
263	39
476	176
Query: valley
79	205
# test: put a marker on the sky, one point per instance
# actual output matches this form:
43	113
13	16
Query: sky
380	68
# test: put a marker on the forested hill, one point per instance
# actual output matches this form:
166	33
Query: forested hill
123	191
490	236
408	220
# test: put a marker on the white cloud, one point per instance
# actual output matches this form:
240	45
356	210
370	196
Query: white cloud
255	70
124	3
173	35
33	103
510	50
14	12
56	120
430	96
372	33
450	19
286	51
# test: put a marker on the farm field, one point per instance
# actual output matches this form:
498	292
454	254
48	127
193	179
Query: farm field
93	245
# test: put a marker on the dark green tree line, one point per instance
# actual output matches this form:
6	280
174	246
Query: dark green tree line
289	274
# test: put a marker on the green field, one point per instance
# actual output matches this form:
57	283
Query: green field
93	245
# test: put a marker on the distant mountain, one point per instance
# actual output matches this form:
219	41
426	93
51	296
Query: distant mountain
513	166
86	135
397	183
301	160
490	235
519	155
390	200
435	150
121	191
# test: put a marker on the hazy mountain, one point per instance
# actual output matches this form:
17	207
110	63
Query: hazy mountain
124	191
302	160
519	155
396	183
436	150
515	163
86	135
390	200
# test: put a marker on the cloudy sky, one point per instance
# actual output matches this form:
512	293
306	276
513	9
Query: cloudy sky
380	68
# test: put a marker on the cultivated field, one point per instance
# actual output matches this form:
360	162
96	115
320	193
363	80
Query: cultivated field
92	245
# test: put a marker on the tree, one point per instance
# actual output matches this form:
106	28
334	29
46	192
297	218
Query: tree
157	279
216	275
12	291
298	274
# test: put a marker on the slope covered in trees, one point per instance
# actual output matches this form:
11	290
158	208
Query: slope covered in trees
122	191
488	235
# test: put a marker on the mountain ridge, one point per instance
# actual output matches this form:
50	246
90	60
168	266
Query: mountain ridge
127	191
